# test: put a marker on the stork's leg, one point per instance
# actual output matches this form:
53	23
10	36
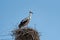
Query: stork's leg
26	26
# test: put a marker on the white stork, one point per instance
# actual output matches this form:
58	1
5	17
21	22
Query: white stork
25	21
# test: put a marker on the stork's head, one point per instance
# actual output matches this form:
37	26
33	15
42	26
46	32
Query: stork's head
30	12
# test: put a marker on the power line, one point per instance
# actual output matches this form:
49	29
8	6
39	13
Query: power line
7	35
6	39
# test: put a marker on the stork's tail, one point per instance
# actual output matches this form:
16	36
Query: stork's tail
19	26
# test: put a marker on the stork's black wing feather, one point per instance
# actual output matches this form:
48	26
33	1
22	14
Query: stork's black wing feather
22	23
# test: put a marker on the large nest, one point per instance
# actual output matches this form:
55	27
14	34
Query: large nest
26	34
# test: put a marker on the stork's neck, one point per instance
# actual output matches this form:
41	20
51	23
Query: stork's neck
30	15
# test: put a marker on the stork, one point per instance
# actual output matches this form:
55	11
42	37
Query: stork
25	21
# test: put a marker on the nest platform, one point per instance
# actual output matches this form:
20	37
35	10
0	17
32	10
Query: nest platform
26	34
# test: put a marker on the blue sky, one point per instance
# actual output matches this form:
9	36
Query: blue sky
46	17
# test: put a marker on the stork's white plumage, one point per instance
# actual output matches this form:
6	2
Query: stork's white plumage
25	21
